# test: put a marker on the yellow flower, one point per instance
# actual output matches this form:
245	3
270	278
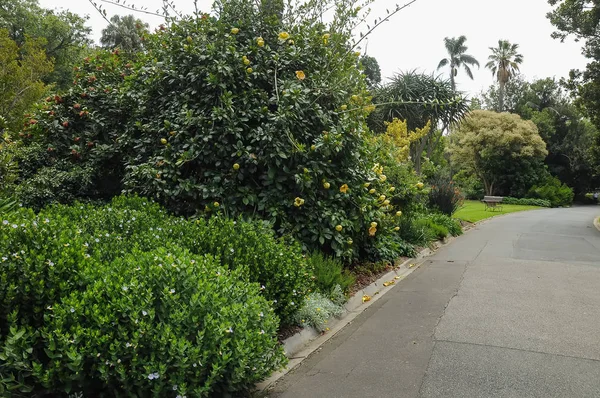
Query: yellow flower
349	241
373	224
382	197
367	184
386	202
298	202
326	38
260	41
420	185
357	53
398	213
344	107
326	185
382	178
397	229
372	231
291	42
392	189
163	141
300	75
344	188
172	133
366	298
284	36
249	70
313	147
355	98
372	191
235	31
236	166
216	204
246	60
338	228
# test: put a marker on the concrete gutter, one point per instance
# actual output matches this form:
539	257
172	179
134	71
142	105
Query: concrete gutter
299	346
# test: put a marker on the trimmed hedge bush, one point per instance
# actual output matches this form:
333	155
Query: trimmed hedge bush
507	200
108	301
553	190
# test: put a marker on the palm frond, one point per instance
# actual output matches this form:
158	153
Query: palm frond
443	63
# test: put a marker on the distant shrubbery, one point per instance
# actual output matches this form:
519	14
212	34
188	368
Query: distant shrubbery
526	202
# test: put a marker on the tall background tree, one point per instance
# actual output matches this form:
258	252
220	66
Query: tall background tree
505	152
457	58
419	99
504	63
125	33
22	69
65	35
371	70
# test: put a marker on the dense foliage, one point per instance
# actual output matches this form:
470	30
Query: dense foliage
115	293
552	190
225	115
444	196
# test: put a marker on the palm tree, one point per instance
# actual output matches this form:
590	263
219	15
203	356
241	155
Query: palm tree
124	33
456	58
504	64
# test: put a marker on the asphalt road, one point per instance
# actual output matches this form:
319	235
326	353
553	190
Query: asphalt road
510	309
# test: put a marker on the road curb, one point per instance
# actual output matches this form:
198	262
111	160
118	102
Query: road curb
597	223
299	346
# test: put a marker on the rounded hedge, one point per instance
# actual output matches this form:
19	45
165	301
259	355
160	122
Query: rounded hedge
89	309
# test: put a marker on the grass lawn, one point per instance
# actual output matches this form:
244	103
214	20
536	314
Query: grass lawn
474	211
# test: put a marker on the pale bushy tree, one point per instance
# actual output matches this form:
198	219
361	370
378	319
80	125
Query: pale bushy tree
494	145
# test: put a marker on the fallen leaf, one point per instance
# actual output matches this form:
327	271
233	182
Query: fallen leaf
412	265
366	298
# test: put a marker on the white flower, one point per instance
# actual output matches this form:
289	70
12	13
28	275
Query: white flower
125	288
106	234
87	256
86	244
4	258
144	313
231	250
5	222
175	387
97	240
14	226
153	376
172	291
230	330
128	345
262	287
72	309
46	221
50	263
261	315
262	332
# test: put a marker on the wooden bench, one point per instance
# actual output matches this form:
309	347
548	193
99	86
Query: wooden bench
492	202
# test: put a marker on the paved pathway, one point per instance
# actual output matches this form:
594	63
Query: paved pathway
510	309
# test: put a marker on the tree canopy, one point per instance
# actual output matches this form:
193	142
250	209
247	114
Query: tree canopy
125	33
498	148
65	34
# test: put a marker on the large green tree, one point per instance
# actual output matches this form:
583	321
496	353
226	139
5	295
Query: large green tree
65	34
457	58
513	94
504	63
22	69
125	33
504	151
371	70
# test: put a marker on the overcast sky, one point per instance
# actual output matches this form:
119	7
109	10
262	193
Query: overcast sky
413	39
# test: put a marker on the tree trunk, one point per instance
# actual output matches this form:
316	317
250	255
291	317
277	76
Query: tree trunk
501	95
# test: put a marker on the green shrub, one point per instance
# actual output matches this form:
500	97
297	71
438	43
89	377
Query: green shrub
453	226
276	264
319	308
554	191
329	272
470	185
526	201
8	165
444	196
125	312
431	230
